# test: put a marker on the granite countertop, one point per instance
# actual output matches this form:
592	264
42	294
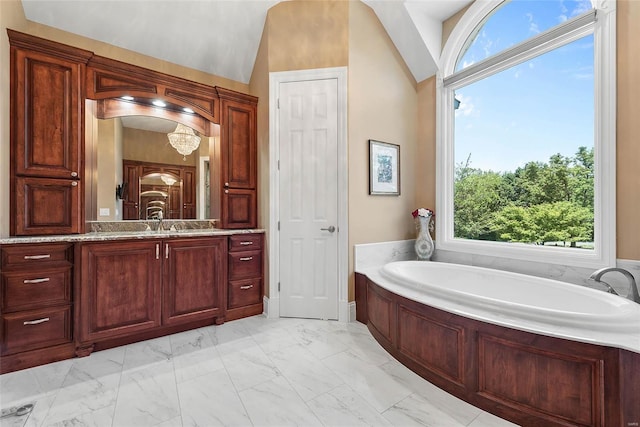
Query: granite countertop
106	231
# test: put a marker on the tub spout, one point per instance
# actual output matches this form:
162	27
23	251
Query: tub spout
633	286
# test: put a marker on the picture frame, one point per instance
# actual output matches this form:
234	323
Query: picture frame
384	168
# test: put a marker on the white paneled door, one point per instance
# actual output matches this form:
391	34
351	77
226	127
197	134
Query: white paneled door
308	188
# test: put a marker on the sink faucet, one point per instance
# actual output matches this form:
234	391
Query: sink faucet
633	286
159	216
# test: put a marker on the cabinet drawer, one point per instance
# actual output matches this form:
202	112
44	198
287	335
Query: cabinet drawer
36	289
245	265
244	292
29	330
33	256
245	242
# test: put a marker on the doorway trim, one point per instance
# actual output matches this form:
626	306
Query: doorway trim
272	302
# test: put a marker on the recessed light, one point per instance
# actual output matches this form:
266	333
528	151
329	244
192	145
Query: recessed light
159	103
127	98
188	110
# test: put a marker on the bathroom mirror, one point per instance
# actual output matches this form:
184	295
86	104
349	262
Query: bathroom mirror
114	142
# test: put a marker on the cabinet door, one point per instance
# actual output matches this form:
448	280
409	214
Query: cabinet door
238	145
119	289
130	208
194	279
189	193
47	120
47	206
239	208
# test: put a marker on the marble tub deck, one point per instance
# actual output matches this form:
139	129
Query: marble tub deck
253	371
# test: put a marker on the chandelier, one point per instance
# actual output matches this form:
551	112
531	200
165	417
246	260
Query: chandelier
168	179
184	140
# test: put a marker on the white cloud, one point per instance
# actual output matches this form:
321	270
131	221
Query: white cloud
533	26
466	106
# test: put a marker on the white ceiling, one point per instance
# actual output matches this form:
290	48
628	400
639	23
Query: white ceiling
221	37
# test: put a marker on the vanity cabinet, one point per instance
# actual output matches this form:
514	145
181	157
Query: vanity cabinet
193	281
128	288
35	304
238	159
47	144
244	288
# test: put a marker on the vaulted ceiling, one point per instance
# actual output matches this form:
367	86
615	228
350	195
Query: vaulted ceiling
221	37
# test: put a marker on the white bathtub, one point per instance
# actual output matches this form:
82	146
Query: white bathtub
528	303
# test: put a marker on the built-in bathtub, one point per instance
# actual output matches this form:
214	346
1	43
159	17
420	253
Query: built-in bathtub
538	352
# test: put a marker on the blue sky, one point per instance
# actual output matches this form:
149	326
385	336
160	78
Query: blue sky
535	109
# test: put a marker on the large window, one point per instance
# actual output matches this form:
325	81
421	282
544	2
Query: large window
526	132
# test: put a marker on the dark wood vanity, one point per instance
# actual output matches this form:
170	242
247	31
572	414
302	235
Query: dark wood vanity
67	294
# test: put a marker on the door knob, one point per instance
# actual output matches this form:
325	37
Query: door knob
330	229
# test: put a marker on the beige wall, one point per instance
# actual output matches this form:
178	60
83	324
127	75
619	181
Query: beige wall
383	105
109	165
628	130
259	86
147	146
308	34
426	147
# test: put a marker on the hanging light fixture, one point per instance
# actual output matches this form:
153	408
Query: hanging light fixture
184	140
168	179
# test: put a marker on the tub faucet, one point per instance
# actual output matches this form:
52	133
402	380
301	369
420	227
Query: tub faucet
633	286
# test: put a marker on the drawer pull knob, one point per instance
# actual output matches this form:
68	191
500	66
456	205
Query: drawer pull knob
246	287
248	258
44	279
37	256
246	243
36	322
74	183
74	174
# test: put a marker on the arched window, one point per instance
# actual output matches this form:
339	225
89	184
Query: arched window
526	132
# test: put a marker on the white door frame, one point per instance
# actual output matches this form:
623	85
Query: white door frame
272	303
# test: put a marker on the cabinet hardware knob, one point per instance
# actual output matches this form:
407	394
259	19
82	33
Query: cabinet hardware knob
44	279
37	256
226	184
226	191
36	322
246	287
246	243
248	258
74	174
74	184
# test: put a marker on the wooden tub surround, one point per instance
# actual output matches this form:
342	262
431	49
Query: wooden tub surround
526	378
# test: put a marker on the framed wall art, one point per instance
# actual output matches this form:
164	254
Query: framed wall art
384	168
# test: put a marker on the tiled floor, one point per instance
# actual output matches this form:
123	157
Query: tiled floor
254	371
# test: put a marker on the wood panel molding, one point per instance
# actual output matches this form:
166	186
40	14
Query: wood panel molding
530	379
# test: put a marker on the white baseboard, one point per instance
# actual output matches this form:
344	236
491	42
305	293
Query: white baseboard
271	307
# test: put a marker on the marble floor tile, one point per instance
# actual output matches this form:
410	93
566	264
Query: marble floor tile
31	384
98	418
194	354
488	420
247	364
211	400
250	372
306	374
417	411
344	407
458	409
375	386
276	403
147	396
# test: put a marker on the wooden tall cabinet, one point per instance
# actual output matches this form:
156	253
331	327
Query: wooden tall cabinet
238	159
47	116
